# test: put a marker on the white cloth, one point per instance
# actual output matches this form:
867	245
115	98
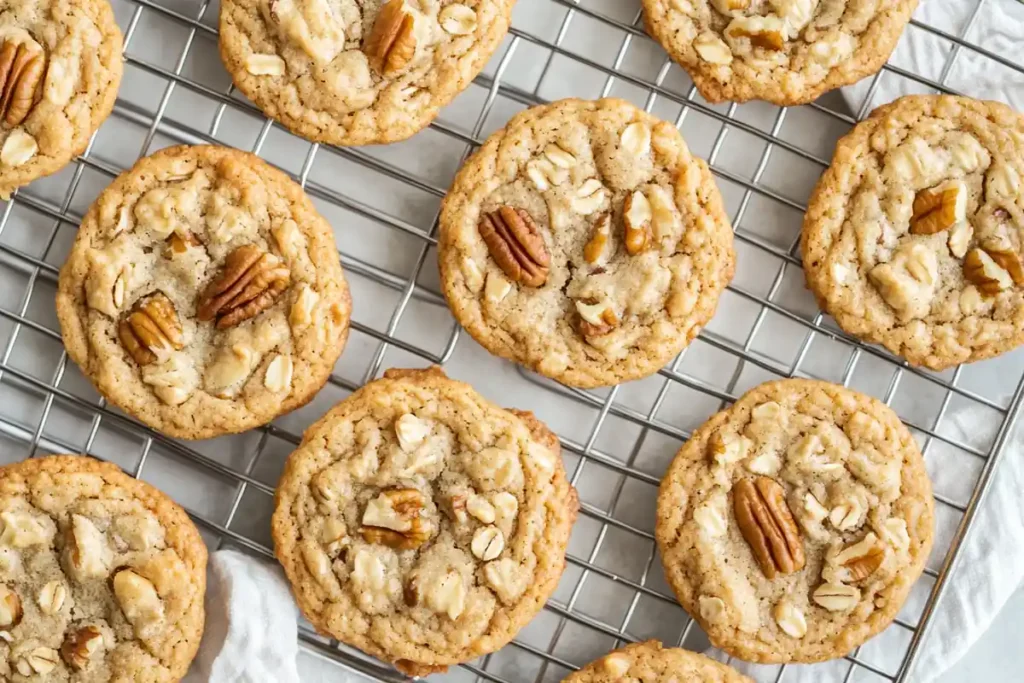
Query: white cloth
251	624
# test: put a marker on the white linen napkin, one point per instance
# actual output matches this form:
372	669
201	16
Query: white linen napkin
251	631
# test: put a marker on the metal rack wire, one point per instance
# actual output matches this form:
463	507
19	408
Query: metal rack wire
46	406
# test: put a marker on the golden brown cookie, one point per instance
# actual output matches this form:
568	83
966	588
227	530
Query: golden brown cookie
102	577
584	241
350	72
203	294
793	524
60	66
649	662
421	523
783	51
914	236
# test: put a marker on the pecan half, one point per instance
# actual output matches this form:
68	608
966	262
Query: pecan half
250	282
21	73
939	208
151	329
768	526
514	241
394	519
392	41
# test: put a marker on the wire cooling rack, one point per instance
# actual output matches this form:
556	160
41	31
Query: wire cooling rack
383	203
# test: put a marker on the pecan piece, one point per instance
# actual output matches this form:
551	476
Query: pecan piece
985	272
768	526
392	41
939	208
394	519
636	217
250	282
21	73
1003	253
80	646
514	241
180	242
151	329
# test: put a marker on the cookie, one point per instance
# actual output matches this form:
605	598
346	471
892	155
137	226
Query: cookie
203	294
793	524
60	66
650	662
913	237
584	241
103	576
357	73
421	523
784	51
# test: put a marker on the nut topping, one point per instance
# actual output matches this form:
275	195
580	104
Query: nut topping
636	215
712	49
87	553
152	330
860	560
596	319
393	519
251	281
768	526
21	73
10	607
981	269
1003	253
392	41
181	241
515	243
589	197
764	32
939	208
138	600
80	647
596	248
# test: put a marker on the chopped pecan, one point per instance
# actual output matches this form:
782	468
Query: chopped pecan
80	646
983	270
596	319
392	40
250	282
939	208
514	241
1003	253
636	216
768	526
595	249
21	73
151	329
860	561
394	519
180	242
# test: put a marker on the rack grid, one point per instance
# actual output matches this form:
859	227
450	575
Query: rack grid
616	441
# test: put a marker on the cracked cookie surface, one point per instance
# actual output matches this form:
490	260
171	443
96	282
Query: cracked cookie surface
649	662
914	236
793	524
102	577
204	294
357	72
584	241
784	51
421	523
60	66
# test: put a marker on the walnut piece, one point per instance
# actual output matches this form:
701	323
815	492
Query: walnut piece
636	216
250	282
393	519
181	241
939	208
392	40
22	65
151	330
596	319
981	269
861	560
764	32
596	248
10	607
80	646
768	526
515	243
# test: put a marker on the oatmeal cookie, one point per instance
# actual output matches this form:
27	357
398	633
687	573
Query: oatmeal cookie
60	66
585	242
102	577
421	523
793	524
203	294
650	662
783	51
357	72
913	237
